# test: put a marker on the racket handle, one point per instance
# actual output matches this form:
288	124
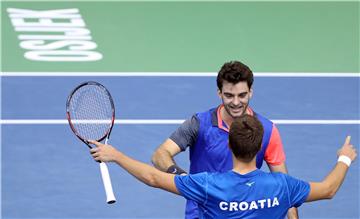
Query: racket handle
110	198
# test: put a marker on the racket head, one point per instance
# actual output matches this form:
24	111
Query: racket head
90	111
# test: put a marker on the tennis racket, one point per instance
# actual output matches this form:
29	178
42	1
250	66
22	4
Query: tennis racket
90	111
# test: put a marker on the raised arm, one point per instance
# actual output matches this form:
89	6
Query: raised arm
330	185
143	172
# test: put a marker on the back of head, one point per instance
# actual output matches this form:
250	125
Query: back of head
245	137
234	72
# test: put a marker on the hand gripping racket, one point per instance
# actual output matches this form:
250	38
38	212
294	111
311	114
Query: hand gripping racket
91	114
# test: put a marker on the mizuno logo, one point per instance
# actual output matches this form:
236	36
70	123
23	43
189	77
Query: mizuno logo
249	184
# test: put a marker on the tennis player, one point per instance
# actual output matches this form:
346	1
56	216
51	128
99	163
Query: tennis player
243	192
206	133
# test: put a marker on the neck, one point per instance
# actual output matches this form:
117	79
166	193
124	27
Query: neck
227	118
244	167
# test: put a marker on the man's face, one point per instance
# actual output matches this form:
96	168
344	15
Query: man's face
235	98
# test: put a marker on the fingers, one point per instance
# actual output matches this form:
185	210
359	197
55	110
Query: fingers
99	152
93	150
347	140
348	149
97	144
96	155
102	152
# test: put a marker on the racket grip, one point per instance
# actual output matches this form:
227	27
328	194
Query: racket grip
110	197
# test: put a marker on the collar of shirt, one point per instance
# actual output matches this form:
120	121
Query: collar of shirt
247	175
217	120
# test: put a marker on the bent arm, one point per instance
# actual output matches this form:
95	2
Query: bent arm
183	137
331	184
163	156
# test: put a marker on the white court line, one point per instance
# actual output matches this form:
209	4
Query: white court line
64	121
170	122
171	74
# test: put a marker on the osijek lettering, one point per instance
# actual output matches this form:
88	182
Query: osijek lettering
54	35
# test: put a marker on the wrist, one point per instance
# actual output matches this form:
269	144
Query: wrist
118	157
345	159
174	169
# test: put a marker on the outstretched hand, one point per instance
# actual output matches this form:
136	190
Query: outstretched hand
103	152
348	149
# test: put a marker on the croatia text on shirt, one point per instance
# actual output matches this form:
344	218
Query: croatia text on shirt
247	206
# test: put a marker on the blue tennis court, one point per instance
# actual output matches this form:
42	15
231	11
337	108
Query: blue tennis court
47	173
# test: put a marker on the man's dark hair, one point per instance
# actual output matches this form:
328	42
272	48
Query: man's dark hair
245	137
234	72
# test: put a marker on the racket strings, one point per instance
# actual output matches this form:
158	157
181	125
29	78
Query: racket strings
91	112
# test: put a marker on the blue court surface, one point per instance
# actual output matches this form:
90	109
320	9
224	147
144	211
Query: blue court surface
48	173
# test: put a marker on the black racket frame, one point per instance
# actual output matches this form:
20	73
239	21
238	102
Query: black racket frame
68	115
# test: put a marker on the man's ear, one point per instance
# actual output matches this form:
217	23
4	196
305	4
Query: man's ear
251	93
219	93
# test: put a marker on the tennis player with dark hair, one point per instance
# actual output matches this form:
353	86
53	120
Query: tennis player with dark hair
243	192
206	133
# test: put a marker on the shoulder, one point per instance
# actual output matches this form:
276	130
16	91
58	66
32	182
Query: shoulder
262	118
192	186
274	178
279	176
186	134
288	180
208	112
192	180
207	118
192	121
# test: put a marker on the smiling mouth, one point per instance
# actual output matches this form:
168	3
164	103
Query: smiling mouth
237	108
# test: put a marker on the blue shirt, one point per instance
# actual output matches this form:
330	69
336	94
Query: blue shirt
209	150
254	195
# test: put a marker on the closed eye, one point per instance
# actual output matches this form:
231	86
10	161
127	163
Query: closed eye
242	95
228	95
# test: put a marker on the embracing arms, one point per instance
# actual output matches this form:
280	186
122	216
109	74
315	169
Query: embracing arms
327	188
163	157
183	137
143	172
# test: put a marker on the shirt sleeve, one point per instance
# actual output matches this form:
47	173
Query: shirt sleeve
274	154
193	186
186	135
298	190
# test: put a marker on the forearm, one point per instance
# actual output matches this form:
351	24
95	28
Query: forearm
162	160
163	156
336	177
292	213
143	172
327	188
332	182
